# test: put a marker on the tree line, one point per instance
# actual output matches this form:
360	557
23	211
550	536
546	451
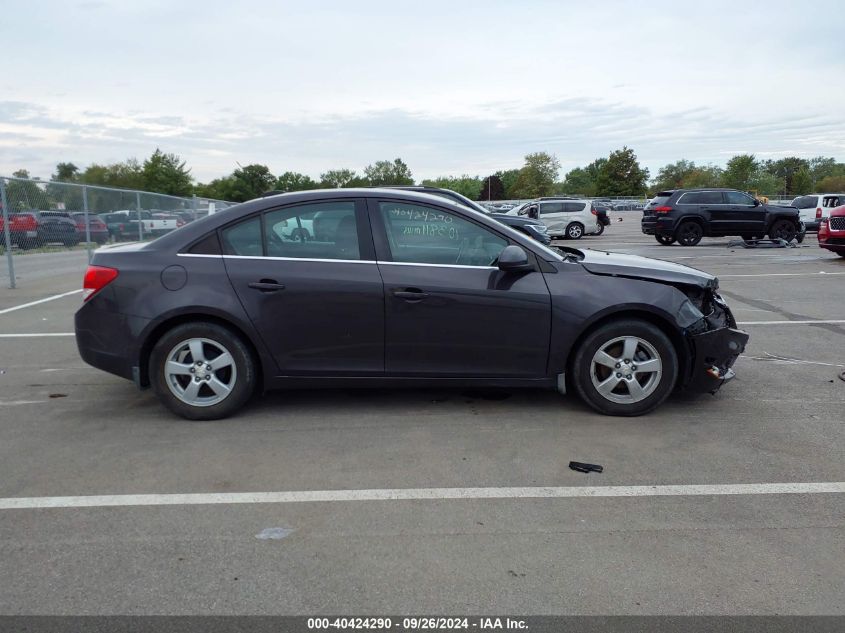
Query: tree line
618	174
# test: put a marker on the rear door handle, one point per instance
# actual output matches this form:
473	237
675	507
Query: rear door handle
267	285
410	294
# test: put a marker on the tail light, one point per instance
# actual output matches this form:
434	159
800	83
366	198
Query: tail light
593	211
662	209
180	223
120	227
818	213
97	278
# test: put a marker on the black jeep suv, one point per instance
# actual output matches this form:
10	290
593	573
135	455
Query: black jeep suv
687	215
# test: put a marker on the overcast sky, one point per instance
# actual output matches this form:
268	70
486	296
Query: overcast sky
451	87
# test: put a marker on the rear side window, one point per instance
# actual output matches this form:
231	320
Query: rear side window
701	197
551	207
574	207
833	201
805	202
315	231
244	238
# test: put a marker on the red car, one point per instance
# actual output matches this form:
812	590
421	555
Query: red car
832	231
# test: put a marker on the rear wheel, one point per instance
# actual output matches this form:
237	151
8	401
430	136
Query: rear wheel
626	367
600	227
783	230
574	231
689	233
202	371
666	240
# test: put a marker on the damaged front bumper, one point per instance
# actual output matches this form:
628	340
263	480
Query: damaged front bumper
715	344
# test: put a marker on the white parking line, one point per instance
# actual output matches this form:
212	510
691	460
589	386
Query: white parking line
409	494
36	334
35	303
816	274
820	322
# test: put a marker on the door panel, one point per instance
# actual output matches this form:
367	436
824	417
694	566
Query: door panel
472	321
449	311
318	302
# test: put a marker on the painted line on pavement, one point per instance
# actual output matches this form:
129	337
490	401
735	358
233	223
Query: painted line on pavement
418	494
36	335
820	273
828	322
35	303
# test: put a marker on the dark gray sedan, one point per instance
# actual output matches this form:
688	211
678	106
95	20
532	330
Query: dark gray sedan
394	288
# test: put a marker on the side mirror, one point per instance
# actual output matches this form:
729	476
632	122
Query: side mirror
513	259
756	202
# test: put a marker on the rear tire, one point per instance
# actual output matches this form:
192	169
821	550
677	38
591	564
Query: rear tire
202	371
689	233
613	387
783	230
666	240
575	231
600	229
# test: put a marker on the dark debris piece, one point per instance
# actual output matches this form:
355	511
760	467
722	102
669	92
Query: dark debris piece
586	468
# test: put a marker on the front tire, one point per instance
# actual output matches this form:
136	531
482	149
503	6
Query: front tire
689	233
783	230
625	368
575	231
202	371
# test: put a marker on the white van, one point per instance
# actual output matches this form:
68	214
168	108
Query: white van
814	207
565	218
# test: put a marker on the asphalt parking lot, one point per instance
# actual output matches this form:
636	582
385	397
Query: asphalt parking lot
67	430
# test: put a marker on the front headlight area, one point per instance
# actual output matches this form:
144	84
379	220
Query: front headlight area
704	310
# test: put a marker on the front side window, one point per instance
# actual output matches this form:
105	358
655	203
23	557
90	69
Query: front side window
426	235
736	197
326	230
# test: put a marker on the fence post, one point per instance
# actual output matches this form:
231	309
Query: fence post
87	225
194	205
140	221
6	233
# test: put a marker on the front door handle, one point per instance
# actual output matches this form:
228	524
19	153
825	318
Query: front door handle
267	285
410	294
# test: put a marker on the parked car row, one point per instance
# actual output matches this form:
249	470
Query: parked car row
34	228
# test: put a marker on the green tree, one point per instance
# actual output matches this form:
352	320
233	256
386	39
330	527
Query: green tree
822	167
537	177
385	172
577	181
66	172
294	181
703	176
249	182
217	189
674	175
508	178
621	175
785	169
740	171
469	186
166	173
831	184
492	188
125	175
802	182
336	178
23	195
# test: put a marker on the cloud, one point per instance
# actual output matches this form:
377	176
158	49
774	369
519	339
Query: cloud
492	135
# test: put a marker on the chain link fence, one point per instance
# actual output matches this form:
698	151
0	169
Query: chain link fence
40	217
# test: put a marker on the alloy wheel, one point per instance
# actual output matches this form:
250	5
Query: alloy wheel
200	372
626	370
